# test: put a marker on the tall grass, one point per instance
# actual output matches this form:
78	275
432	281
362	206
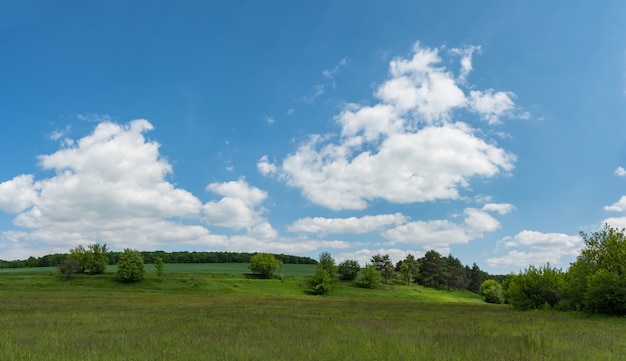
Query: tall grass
236	317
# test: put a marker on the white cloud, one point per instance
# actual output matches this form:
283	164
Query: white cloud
536	248
492	106
466	60
18	194
239	208
617	222
405	148
355	225
620	171
265	167
428	165
440	234
270	120
500	208
619	206
108	186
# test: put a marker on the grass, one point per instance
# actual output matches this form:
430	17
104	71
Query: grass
211	316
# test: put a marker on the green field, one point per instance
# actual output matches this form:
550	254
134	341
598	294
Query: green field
189	315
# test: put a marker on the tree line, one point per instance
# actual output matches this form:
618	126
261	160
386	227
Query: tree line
594	283
53	260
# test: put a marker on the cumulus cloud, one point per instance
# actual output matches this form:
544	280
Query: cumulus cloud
355	225
620	171
535	248
440	234
110	185
238	209
405	148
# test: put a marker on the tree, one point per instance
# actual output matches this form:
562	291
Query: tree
455	276
264	264
325	274
433	269
349	269
69	267
492	291
596	281
370	277
384	265
93	260
130	267
475	278
159	265
535	288
409	269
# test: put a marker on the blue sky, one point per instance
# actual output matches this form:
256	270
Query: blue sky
494	130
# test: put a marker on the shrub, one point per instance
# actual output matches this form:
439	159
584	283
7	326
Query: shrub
349	269
370	277
492	291
130	267
69	267
264	264
322	281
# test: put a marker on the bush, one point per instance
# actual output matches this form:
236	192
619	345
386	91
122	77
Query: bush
492	291
322	281
535	288
69	267
349	269
264	264
325	274
130	267
370	277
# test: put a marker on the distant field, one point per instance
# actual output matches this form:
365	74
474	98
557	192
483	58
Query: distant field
216	316
241	268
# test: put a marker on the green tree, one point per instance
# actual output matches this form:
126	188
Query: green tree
433	269
384	265
325	274
370	277
264	264
596	281
130	267
159	265
409	269
93	260
349	269
492	291
535	288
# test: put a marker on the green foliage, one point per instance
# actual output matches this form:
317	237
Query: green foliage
370	277
322	282
159	265
409	269
433	270
349	269
265	264
596	281
130	267
325	274
606	293
93	260
492	291
69	267
384	265
535	288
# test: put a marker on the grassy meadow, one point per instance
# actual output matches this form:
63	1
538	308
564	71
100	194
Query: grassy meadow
231	315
